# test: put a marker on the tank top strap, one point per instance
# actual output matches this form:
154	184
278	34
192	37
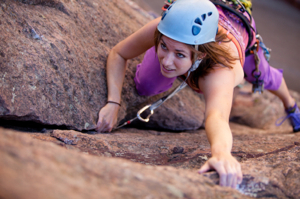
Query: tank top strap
236	43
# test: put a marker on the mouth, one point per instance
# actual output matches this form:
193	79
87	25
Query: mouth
167	69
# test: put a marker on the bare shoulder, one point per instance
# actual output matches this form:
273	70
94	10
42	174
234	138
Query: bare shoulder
221	76
236	67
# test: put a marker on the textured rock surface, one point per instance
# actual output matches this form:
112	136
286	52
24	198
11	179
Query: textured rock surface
164	148
35	169
259	111
52	72
52	64
95	165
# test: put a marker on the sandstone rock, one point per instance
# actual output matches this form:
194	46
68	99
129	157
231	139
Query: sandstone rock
36	169
52	64
52	72
52	61
157	148
260	111
269	161
274	175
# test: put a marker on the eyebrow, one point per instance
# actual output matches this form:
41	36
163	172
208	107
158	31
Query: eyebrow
175	49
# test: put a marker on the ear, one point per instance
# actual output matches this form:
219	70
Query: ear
201	56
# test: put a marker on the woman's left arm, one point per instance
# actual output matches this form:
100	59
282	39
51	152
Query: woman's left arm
218	88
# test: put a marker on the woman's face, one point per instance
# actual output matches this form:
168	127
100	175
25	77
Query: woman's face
175	58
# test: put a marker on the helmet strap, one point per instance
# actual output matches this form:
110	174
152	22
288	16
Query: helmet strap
196	61
195	54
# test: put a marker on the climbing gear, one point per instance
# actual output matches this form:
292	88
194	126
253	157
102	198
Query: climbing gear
258	85
193	22
294	115
265	49
240	8
154	106
246	3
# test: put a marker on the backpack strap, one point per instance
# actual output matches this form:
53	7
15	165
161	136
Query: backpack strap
238	12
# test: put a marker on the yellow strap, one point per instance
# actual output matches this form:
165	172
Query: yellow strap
247	4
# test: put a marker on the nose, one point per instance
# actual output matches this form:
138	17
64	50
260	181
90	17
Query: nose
167	59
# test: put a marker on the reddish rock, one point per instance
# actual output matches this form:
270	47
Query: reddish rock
260	111
52	61
52	64
157	148
274	175
52	72
34	169
269	161
256	151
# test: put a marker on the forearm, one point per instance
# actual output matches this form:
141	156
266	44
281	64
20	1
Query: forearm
116	66
219	134
220	138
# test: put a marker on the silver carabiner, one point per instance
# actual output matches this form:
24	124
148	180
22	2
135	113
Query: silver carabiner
142	110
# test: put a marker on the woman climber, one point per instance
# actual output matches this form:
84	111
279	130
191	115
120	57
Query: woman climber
195	37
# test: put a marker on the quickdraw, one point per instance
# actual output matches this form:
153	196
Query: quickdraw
258	85
154	106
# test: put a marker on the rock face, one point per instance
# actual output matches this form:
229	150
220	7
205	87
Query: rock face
52	64
259	111
35	169
52	73
162	164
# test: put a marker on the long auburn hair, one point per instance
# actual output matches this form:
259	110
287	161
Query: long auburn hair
215	54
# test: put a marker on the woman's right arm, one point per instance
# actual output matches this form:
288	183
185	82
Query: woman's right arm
132	46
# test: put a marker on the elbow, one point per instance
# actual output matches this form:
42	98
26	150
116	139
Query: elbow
115	58
114	53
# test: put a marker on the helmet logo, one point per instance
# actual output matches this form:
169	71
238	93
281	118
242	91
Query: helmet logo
203	17
196	29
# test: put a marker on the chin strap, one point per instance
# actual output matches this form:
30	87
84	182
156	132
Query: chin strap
196	61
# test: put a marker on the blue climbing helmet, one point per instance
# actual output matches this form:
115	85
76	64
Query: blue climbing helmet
193	22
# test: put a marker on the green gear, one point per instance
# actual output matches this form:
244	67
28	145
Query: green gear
247	4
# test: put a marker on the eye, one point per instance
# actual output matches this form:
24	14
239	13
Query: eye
180	55
163	46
